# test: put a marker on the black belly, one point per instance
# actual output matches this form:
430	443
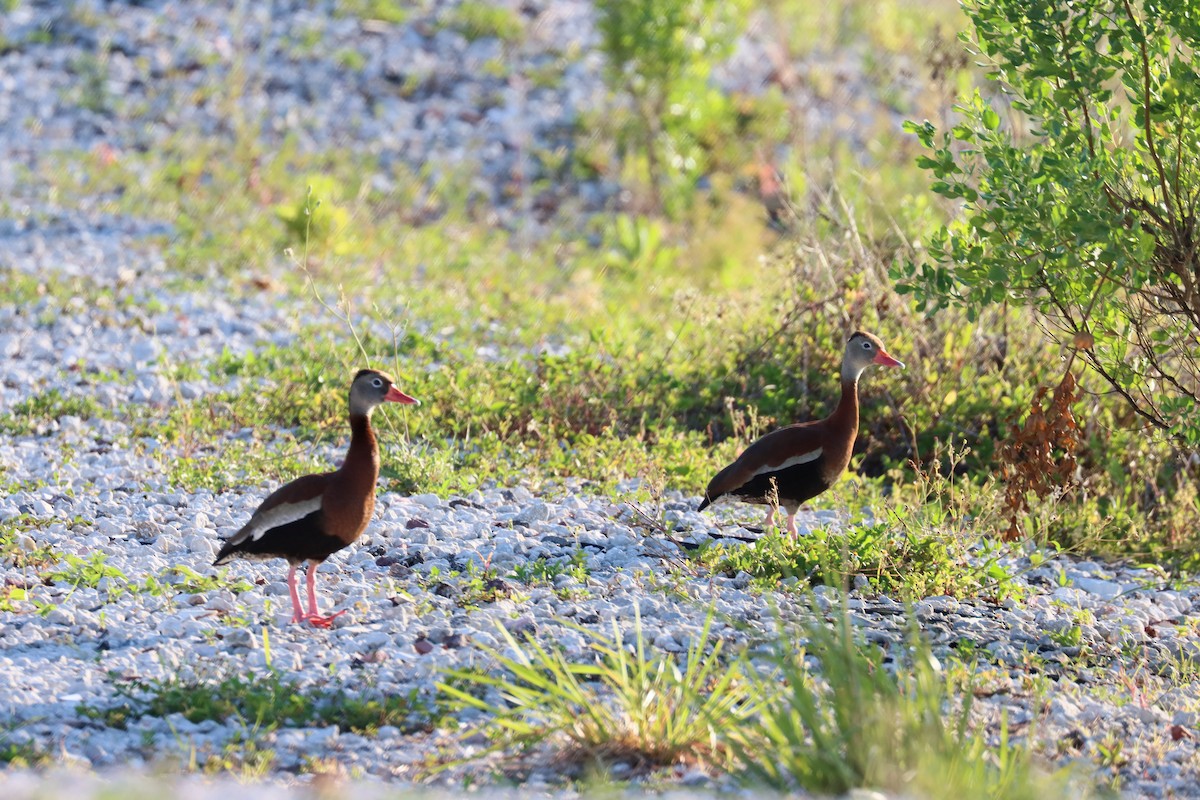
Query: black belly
302	540
792	486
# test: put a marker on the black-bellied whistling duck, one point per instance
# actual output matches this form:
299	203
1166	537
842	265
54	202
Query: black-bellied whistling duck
314	516
792	465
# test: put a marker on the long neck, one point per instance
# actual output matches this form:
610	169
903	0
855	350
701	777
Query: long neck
364	450
845	416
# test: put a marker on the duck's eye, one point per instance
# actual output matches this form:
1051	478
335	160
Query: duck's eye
866	345
377	383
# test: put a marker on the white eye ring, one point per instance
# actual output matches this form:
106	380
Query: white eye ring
866	345
377	383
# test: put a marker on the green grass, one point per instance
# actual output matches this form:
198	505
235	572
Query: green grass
78	571
478	20
22	755
181	578
828	718
34	415
392	11
834	718
263	703
543	570
475	586
93	572
13	553
907	565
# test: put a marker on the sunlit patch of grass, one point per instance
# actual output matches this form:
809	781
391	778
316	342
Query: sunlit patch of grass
890	26
226	462
909	565
627	704
264	702
243	756
181	578
392	11
20	552
26	289
35	415
86	572
478	20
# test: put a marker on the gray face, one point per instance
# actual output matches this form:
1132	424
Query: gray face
368	390
862	349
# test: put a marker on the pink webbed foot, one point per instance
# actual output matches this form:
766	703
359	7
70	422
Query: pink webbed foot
318	621
313	617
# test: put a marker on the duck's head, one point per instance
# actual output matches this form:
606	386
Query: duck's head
862	350
372	388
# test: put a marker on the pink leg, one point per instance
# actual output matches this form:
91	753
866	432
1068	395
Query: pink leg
314	617
297	612
770	520
791	524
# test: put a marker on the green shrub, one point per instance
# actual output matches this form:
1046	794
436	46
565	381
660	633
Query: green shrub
1080	204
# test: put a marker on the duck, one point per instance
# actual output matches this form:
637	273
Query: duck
789	466
314	516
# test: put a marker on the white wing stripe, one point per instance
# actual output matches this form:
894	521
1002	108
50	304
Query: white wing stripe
803	458
282	515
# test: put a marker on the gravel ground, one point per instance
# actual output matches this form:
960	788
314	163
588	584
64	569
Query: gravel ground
407	620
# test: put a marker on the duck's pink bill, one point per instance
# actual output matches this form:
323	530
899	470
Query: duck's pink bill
883	358
394	395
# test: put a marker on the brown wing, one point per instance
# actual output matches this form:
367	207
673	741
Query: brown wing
795	443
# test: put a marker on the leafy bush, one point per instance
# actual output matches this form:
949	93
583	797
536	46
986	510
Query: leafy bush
1081	204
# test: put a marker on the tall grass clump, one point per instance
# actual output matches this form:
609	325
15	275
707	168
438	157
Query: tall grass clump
626	703
835	718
